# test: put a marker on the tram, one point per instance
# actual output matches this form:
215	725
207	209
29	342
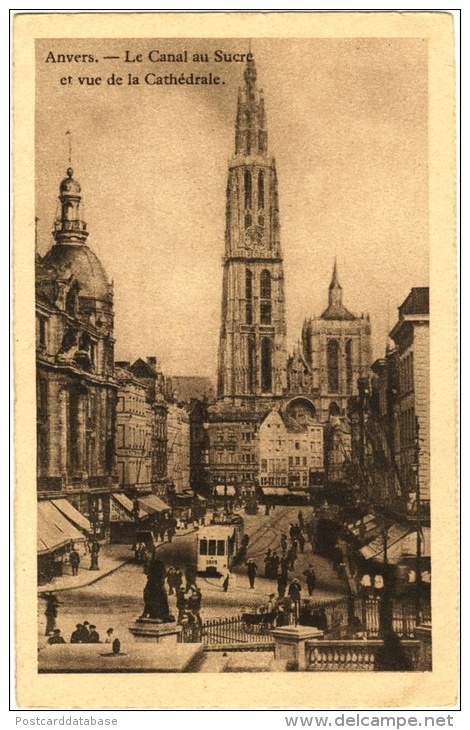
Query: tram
218	545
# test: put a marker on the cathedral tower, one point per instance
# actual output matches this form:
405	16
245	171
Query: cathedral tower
252	350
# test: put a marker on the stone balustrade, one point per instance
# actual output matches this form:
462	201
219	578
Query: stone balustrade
356	655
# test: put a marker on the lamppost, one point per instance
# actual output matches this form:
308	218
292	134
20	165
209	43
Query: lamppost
95	546
363	387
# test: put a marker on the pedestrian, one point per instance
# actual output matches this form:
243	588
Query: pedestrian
77	635
283	544
292	531
85	632
52	604
109	636
56	638
284	566
275	564
194	601
181	603
93	637
311	579
281	585
300	518
74	559
252	569
227	581
301	542
294	594
267	563
291	556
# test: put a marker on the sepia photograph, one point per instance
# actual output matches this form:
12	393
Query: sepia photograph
232	366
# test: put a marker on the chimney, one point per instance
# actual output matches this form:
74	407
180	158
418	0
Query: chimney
152	361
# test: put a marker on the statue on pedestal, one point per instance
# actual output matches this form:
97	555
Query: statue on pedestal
155	598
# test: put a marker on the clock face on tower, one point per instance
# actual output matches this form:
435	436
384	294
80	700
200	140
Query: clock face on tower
254	237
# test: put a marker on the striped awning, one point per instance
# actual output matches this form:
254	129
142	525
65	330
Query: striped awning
72	514
54	530
153	504
126	504
392	543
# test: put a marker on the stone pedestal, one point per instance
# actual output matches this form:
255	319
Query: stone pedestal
147	629
290	644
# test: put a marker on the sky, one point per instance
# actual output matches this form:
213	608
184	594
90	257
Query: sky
347	124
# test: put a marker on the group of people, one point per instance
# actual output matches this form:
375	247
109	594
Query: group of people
84	633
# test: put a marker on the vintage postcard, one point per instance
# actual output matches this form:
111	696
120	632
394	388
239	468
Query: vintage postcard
235	353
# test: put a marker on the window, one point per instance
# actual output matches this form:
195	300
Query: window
251	354
220	547
297	445
265	297
261	190
120	436
266	365
297	460
248	297
333	365
291	461
41	331
349	367
264	464
247	189
203	547
304	461
212	547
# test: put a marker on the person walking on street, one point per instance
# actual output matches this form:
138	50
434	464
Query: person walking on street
283	544
52	604
284	566
291	556
74	559
252	570
300	518
311	579
76	637
281	585
181	603
94	637
275	564
301	542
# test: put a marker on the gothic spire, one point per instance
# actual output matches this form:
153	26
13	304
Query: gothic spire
251	137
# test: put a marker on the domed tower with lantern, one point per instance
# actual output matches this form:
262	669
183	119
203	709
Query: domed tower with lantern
76	390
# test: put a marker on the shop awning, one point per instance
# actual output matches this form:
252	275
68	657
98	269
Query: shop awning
393	542
365	527
153	504
276	491
126	504
72	514
54	530
222	491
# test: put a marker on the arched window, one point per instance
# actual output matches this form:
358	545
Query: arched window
248	297
349	367
247	189
333	366
265	298
334	409
261	190
266	365
251	361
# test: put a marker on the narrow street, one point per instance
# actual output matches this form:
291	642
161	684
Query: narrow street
116	600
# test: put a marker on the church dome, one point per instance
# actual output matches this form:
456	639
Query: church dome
70	186
84	265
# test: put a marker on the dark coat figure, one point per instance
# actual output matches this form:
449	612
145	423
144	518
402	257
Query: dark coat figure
391	657
283	544
275	564
94	637
311	579
252	569
267	563
76	635
84	634
284	566
155	598
52	604
281	585
74	558
181	603
301	543
300	518
291	557
56	638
